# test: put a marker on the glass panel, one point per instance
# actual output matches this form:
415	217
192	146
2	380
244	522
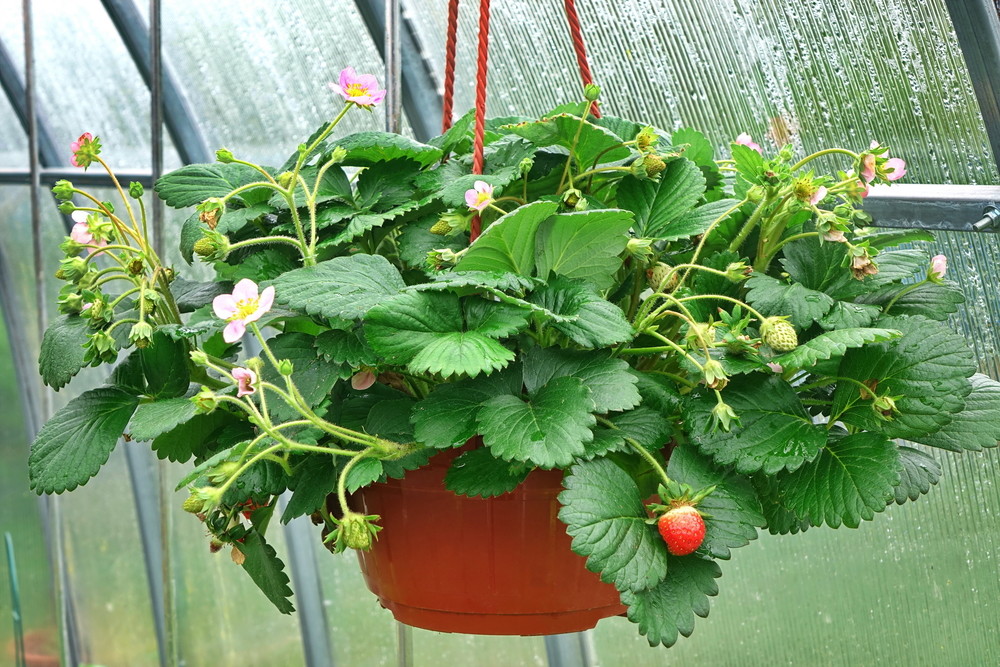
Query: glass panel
14	149
812	74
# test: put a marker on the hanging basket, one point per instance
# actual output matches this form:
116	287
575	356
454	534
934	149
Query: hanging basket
491	566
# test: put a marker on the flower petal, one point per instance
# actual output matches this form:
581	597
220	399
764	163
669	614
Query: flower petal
245	290
234	331
224	306
347	77
898	167
263	305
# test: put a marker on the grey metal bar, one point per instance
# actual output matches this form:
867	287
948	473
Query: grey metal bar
11	83
156	118
977	27
404	645
944	207
569	650
176	111
420	96
76	176
393	69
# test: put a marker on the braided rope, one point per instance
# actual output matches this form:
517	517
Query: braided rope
449	65
482	59
576	33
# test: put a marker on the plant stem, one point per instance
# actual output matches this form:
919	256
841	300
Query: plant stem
829	151
640	450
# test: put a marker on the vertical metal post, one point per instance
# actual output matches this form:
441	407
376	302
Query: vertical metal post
393	68
156	118
404	645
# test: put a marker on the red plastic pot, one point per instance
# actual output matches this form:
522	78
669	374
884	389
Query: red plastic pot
491	566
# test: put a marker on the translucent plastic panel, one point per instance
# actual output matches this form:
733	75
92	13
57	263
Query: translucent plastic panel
14	147
810	73
256	74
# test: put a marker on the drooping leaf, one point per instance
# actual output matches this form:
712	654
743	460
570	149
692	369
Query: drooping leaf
734	512
925	372
773	297
605	515
933	301
659	206
548	429
194	183
164	366
668	609
73	445
479	473
918	472
832	344
508	245
236	219
977	426
585	245
197	436
597	323
158	417
313	479
611	385
266	570
775	430
340	288
62	350
851	480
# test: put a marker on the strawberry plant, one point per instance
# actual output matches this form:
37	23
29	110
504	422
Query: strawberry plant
672	328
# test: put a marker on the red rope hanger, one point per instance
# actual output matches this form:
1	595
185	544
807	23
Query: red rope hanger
482	61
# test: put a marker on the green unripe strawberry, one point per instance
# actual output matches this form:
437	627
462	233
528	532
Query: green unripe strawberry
193	504
441	228
779	334
662	277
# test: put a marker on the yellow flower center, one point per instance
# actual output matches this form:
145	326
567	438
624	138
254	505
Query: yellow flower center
482	198
245	309
356	90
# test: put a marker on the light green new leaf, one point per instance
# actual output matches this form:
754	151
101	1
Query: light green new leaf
605	515
669	608
266	570
832	344
153	419
611	385
479	473
596	321
925	372
585	245
775	431
73	445
62	350
589	142
698	220
508	245
773	297
660	205
977	426
852	479
734	512
918	472
548	429
340	288
194	183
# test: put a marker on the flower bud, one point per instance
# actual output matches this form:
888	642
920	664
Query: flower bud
571	198
440	258
223	471
285	367
198	357
205	401
737	271
525	165
72	269
592	92
67	207
213	246
135	190
714	375
723	415
70	247
70	303
285	179
63	190
646	138
884	407
639	248
337	155
255	364
100	348
141	334
224	155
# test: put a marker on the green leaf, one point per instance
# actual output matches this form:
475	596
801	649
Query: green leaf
644	425
424	331
668	609
416	241
933	301
62	351
917	473
365	149
977	426
498	320
549	429
832	344
259	264
391	420
366	221
190	296
266	570
597	322
925	372
845	315
313	375
236	219
340	288
191	231
611	385
775	431
73	445
588	141
506	282
853	478
346	347
313	479
234	451
508	245
479	473
153	419
586	245
605	515
897	265
164	366
659	205
447	417
698	220
196	436
773	297
885	238
733	510
749	163
658	393
194	183
367	471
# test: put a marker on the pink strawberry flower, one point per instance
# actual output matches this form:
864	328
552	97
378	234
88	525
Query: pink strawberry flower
84	150
939	266
361	89
895	168
746	140
479	196
242	307
81	231
818	196
868	168
245	381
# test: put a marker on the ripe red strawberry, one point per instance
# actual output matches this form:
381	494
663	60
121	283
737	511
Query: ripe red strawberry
683	529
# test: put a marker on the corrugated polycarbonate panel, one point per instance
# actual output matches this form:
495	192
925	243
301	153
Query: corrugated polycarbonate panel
812	73
14	147
256	73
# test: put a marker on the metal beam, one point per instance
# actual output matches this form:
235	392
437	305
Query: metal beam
946	207
977	26
421	100
94	179
176	111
